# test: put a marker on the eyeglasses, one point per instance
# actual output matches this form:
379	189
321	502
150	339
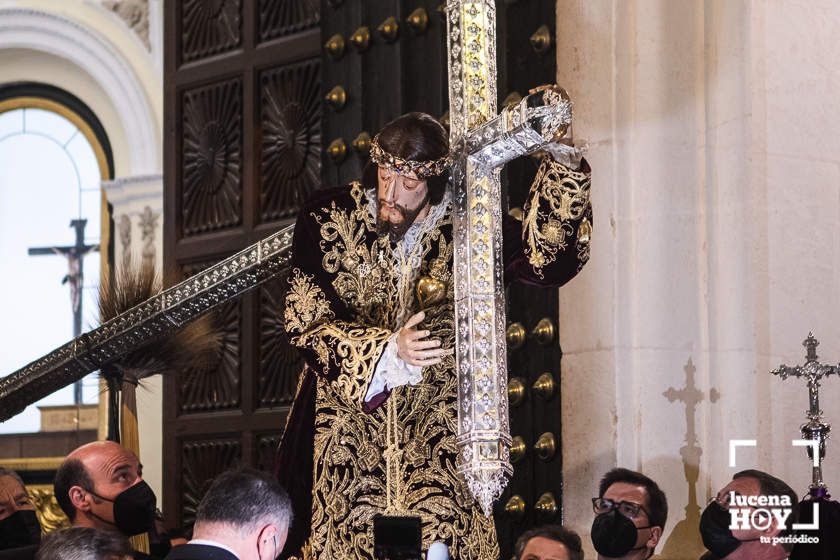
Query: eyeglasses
630	510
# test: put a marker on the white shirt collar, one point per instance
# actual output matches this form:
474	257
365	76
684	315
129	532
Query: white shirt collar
208	542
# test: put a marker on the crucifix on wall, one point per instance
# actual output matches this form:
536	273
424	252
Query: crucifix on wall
75	255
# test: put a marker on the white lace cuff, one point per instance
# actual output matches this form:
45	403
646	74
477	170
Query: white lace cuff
569	156
391	371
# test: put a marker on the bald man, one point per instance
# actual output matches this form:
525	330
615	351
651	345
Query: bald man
100	485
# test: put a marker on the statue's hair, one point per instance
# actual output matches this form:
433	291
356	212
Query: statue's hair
413	136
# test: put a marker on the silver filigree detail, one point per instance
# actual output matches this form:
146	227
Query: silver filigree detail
481	143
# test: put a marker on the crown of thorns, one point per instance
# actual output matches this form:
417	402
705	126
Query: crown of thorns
421	168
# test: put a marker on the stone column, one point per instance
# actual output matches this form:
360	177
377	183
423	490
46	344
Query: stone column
715	246
138	218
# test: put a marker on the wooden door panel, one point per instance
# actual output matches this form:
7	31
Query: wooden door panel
242	135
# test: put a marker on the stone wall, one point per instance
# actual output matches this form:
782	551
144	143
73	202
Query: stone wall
716	243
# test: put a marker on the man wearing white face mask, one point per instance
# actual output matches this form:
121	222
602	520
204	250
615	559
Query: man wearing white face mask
245	515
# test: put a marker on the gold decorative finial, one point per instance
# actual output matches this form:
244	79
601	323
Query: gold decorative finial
541	40
544	331
418	20
360	39
515	336
517	449
546	506
362	143
544	386
336	98
515	507
337	150
545	447
335	46
516	391
389	29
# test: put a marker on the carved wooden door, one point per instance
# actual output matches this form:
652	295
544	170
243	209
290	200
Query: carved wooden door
242	148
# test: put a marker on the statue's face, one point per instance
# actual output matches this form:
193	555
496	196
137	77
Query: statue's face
401	199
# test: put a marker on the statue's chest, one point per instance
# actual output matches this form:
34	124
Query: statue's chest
377	280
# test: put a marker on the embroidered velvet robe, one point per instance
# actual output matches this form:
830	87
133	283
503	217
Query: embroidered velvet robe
346	461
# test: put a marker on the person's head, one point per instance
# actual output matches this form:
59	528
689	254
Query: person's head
549	542
746	543
247	511
18	522
631	511
409	168
100	485
84	543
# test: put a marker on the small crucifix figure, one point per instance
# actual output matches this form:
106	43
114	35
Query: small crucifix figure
75	255
815	429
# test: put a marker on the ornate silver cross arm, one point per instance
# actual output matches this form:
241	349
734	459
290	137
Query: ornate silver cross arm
814	429
482	142
171	309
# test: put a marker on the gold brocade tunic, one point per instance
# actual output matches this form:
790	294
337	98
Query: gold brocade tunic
350	290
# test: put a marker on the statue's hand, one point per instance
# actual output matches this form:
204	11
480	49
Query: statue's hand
555	95
552	87
566	153
413	346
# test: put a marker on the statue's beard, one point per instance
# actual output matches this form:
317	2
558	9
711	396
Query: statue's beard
396	230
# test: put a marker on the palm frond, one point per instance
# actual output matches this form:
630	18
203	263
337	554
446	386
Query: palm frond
195	345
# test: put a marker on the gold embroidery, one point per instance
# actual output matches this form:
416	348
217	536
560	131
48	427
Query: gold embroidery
545	227
354	467
583	236
305	303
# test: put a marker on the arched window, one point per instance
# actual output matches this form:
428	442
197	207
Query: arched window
53	156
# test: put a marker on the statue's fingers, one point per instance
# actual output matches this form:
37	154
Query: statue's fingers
428	354
412	336
414	320
427	362
424	344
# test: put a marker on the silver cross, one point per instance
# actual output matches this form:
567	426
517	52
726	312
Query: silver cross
482	142
815	429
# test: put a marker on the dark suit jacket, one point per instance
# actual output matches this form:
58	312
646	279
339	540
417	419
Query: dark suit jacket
22	553
199	552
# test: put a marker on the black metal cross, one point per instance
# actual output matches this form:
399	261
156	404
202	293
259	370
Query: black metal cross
75	255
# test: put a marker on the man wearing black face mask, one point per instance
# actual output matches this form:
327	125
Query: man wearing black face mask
100	485
631	512
20	531
746	544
